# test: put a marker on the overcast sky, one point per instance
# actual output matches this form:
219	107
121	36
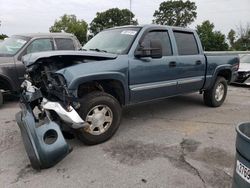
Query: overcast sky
22	16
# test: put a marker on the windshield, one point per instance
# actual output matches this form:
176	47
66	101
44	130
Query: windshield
11	46
117	41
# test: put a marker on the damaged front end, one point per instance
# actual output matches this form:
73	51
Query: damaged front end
48	107
41	131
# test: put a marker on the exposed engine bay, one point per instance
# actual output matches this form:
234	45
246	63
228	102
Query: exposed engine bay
42	73
52	85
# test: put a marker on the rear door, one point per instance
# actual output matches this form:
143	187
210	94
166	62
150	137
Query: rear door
152	78
191	62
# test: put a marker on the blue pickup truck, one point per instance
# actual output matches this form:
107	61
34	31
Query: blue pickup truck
84	91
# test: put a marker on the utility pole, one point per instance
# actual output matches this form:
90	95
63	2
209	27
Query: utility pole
130	8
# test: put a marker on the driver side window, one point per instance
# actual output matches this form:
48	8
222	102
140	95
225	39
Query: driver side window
40	45
161	36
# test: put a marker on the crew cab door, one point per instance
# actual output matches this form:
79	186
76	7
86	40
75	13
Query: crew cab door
151	78
191	62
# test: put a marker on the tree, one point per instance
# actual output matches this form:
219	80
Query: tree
210	39
3	36
243	41
110	18
175	13
231	37
70	24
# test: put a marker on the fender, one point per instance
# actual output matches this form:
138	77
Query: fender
118	76
210	79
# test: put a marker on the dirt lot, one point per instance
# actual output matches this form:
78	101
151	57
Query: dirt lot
175	142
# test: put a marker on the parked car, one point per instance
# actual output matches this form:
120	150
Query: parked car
244	70
12	49
84	91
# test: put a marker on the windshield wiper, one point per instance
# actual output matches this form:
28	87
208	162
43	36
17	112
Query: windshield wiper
98	50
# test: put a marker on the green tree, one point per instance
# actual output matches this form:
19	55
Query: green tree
243	41
231	37
175	13
110	18
70	24
210	39
3	36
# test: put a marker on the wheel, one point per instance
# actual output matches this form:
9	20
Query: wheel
215	96
103	113
1	98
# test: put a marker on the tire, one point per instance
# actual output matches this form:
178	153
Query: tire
1	99
95	108
215	96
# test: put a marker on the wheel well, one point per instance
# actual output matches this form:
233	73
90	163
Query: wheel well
112	87
4	84
227	74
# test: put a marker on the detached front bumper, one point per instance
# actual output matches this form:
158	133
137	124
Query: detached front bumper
42	137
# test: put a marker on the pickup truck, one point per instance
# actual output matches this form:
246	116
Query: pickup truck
12	49
84	91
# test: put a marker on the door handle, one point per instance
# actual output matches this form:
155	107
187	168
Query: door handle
198	62
172	64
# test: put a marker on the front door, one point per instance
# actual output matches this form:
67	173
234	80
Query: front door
37	45
151	78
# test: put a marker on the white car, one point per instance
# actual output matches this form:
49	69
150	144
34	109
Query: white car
244	70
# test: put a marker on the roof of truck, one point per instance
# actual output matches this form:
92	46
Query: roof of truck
146	26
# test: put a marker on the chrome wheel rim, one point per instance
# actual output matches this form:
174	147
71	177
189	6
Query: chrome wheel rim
219	92
99	119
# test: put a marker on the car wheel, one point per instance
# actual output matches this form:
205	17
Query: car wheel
103	114
215	96
1	98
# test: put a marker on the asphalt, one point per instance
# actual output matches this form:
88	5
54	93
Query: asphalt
175	142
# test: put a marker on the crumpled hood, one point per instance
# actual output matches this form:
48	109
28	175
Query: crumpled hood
32	58
244	67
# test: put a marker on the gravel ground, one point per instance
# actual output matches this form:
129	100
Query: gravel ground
176	142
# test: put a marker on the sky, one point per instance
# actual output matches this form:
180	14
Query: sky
29	16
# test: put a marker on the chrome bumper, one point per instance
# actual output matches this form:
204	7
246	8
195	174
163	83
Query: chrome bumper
69	116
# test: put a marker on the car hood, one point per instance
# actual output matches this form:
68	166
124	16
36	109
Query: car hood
244	67
33	58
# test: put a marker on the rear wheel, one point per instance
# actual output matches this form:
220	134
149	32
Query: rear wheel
215	96
103	114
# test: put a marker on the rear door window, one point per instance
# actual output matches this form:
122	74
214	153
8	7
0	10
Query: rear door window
186	43
64	44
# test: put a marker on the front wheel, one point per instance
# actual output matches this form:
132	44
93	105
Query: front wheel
103	114
215	96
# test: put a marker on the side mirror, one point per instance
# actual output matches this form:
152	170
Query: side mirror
154	51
